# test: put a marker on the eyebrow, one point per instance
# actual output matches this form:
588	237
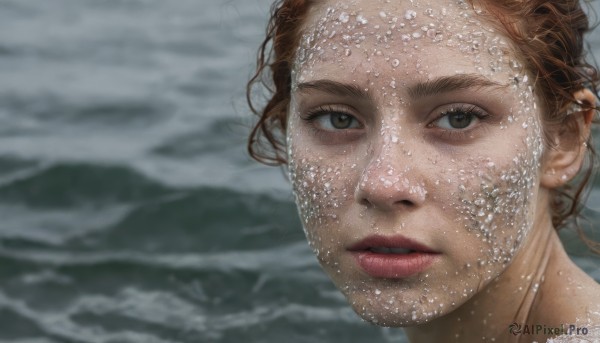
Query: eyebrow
444	84
335	88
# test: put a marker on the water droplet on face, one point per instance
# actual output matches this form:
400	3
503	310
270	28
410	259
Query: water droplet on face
395	63
382	14
377	292
410	15
344	17
362	20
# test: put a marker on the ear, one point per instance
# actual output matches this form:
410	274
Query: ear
563	160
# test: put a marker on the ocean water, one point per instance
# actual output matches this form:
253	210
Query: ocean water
130	211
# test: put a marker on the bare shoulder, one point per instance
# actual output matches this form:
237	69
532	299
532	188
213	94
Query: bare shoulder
578	296
571	296
580	308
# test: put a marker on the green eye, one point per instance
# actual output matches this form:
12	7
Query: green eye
340	121
458	119
335	121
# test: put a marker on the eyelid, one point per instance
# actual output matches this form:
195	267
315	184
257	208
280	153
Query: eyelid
325	109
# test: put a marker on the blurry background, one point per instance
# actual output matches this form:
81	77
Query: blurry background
129	211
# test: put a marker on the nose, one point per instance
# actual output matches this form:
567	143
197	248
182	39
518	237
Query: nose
390	181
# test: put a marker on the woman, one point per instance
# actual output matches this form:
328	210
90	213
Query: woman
433	147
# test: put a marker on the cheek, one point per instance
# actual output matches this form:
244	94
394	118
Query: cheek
322	185
496	205
319	190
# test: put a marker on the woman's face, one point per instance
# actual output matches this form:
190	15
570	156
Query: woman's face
414	148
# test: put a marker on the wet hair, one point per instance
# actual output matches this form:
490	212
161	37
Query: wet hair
548	35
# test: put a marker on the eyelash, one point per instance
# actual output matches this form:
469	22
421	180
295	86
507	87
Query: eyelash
323	110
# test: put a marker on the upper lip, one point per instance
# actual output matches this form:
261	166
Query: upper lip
392	242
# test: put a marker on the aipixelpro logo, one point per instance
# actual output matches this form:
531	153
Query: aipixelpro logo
539	329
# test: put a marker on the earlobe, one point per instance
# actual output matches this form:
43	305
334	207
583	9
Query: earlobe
563	161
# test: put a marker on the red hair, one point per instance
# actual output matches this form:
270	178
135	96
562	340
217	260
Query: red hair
548	35
283	37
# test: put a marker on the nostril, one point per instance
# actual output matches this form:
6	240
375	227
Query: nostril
401	203
405	203
403	194
365	202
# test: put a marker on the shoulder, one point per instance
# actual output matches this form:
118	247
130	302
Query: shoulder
572	298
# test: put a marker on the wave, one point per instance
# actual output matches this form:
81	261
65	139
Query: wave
71	185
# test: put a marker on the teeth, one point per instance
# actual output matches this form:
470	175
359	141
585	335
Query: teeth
382	250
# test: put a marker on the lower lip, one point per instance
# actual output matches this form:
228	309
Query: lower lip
394	266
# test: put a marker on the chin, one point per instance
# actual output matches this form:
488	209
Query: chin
395	308
385	316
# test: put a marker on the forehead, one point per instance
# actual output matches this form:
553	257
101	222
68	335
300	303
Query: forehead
419	38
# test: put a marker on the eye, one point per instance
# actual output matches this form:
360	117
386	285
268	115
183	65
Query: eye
337	121
332	120
460	118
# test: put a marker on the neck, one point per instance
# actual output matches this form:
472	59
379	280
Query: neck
505	300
